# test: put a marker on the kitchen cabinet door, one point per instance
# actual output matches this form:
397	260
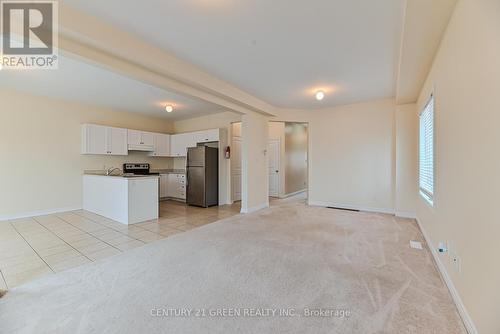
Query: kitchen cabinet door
104	140
134	137
116	141
207	136
179	144
181	180
177	186
174	145
148	138
171	182
94	139
162	145
164	185
190	140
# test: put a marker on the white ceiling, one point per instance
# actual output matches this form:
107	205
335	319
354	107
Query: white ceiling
279	50
81	82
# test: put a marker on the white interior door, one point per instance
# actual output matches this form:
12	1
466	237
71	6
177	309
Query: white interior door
236	168
273	154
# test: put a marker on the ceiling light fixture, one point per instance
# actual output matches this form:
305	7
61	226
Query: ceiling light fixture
320	95
169	108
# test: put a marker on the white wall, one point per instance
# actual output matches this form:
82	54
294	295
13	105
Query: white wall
293	172
255	181
219	120
465	79
40	143
406	160
351	161
352	153
295	161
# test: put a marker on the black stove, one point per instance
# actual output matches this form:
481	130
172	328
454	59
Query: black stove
138	169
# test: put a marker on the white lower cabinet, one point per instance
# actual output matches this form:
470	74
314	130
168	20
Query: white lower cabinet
173	186
177	186
163	185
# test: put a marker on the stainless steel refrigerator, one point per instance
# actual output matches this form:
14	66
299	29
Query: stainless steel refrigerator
202	176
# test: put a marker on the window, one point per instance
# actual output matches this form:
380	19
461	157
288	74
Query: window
426	169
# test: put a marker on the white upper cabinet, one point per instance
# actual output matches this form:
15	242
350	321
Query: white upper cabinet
140	140
176	145
134	137
94	139
161	145
98	139
179	144
148	138
117	141
207	136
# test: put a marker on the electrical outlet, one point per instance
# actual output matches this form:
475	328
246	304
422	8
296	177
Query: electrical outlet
456	261
415	244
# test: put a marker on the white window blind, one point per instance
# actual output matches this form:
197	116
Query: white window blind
426	172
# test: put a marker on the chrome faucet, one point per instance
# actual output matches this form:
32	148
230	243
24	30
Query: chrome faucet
111	170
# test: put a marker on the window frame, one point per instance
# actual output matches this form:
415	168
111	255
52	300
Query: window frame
428	197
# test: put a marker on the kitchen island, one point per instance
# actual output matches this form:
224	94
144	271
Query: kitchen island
128	200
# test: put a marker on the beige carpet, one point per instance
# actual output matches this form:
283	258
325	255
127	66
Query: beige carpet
272	267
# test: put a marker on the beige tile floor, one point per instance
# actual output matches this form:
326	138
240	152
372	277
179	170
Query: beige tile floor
38	246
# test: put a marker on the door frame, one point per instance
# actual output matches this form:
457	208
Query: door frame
233	199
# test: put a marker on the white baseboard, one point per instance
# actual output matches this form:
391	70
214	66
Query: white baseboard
37	213
404	214
467	320
293	194
255	208
351	207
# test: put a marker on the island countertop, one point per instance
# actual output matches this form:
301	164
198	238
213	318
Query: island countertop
128	200
125	177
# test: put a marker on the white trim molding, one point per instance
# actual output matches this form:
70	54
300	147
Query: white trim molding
467	320
293	194
404	214
37	213
351	207
255	208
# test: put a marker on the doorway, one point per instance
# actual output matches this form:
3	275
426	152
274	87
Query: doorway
287	153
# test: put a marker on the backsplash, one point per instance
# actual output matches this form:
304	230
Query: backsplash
179	163
99	162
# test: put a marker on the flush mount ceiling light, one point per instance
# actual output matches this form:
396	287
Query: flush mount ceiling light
320	95
169	108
